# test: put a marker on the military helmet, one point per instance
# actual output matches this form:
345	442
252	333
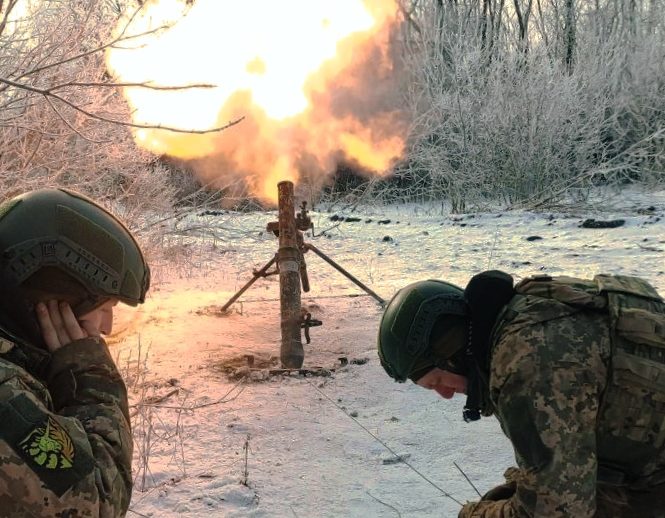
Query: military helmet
407	323
63	229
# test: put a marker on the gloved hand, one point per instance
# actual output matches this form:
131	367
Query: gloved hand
507	489
500	492
487	509
493	503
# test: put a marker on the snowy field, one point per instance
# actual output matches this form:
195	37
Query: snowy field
354	443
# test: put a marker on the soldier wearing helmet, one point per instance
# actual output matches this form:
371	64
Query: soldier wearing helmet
65	439
573	369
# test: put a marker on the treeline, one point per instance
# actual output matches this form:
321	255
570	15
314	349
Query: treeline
528	100
524	100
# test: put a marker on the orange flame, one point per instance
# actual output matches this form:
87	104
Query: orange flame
313	80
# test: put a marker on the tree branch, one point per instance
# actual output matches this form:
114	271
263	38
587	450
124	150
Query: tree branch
48	94
409	18
27	162
5	18
119	38
145	84
69	125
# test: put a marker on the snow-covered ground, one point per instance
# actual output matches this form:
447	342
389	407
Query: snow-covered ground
207	445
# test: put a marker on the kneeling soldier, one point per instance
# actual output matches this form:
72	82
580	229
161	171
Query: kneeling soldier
573	369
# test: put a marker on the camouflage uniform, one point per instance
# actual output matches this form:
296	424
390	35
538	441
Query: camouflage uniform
577	382
65	441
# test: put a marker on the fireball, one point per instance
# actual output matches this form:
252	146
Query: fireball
313	80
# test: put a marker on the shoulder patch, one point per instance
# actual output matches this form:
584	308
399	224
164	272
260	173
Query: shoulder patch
44	444
49	446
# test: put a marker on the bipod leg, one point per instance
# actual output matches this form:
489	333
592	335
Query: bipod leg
257	274
341	270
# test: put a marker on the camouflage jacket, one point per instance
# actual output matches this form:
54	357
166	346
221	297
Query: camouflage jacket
65	442
577	380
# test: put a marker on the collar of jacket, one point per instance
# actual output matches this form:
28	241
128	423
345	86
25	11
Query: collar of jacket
486	294
33	359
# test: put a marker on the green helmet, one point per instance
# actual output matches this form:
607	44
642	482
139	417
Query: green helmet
62	229
406	325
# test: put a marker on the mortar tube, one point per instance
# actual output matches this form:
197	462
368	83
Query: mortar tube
292	353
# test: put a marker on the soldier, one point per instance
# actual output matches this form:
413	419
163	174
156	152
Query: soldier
574	371
65	439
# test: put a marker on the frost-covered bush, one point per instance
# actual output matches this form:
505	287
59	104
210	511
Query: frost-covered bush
56	101
524	102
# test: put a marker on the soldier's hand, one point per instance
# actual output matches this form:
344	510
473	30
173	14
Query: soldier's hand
507	489
487	509
59	325
501	492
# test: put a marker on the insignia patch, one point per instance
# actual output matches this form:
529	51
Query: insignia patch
44	443
49	446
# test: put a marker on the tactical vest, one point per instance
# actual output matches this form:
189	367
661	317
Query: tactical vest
631	417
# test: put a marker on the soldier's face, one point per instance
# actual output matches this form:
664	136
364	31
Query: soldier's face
100	318
445	383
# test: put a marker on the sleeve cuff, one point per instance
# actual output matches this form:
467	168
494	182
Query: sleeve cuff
78	355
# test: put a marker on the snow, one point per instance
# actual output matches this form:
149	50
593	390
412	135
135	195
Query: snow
329	446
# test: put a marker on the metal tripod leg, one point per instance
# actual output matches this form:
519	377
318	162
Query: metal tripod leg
257	274
341	270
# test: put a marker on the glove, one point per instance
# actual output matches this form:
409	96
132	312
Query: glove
493	503
507	489
487	509
500	492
